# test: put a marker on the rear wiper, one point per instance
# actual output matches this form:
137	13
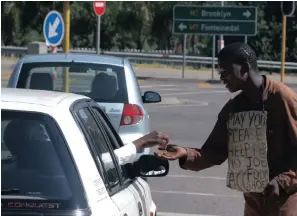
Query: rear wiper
9	191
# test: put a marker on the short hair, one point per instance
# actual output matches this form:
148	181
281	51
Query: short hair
239	53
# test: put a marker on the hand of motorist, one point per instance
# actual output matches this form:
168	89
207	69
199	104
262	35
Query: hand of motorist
150	140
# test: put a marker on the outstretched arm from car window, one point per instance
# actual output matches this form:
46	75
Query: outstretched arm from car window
128	153
124	155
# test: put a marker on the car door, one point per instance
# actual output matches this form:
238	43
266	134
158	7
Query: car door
123	198
133	185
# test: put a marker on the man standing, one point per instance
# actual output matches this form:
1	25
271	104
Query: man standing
257	132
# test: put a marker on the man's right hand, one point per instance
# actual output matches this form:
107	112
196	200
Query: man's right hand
172	152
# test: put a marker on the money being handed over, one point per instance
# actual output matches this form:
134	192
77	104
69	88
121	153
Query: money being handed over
171	152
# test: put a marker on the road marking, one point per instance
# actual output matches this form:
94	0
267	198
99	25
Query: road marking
196	93
203	84
199	177
182	214
196	194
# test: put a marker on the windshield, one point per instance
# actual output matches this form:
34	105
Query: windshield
101	82
36	166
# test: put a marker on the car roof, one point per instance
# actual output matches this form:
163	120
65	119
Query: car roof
74	57
31	98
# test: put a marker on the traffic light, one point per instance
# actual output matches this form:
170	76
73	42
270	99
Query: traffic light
288	8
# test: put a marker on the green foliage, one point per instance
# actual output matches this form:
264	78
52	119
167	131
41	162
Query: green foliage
142	25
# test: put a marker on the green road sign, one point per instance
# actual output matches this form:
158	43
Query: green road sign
190	19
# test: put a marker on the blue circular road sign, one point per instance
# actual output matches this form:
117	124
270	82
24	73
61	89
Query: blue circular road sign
53	28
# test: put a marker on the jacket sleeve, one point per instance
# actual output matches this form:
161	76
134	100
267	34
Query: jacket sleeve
288	179
215	149
124	155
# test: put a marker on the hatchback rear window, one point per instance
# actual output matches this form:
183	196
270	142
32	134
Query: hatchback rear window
101	82
36	166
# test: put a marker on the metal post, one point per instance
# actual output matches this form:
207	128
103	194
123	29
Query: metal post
284	27
98	34
66	12
222	36
213	55
245	39
184	55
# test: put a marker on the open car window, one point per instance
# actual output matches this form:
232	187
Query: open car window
36	165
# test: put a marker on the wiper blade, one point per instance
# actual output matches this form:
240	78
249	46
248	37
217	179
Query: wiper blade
9	191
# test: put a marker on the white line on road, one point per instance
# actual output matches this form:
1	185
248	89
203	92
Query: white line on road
196	194
195	93
181	214
199	177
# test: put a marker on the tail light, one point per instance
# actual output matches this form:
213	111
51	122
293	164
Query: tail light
132	114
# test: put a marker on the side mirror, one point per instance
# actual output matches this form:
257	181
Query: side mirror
150	166
151	97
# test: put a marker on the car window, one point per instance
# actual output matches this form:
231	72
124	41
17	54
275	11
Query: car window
35	162
101	82
101	148
113	138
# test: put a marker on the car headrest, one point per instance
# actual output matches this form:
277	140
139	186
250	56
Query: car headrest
42	81
104	86
12	141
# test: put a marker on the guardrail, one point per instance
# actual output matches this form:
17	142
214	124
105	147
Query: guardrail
157	56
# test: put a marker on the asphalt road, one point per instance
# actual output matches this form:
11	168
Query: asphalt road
189	123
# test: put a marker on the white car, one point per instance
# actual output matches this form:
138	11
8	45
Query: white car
51	157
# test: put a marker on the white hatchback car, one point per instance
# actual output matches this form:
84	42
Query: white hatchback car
51	159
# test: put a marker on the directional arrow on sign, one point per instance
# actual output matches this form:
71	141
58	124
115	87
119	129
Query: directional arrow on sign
182	26
52	31
247	14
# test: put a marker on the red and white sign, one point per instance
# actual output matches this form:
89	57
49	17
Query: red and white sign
53	49
99	7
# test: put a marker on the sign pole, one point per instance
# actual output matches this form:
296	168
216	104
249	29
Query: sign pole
99	9
98	34
245	39
213	55
54	31
66	11
284	27
221	36
184	55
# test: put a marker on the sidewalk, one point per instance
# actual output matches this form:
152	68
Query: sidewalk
195	75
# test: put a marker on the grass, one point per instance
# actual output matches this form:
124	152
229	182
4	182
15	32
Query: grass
10	58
